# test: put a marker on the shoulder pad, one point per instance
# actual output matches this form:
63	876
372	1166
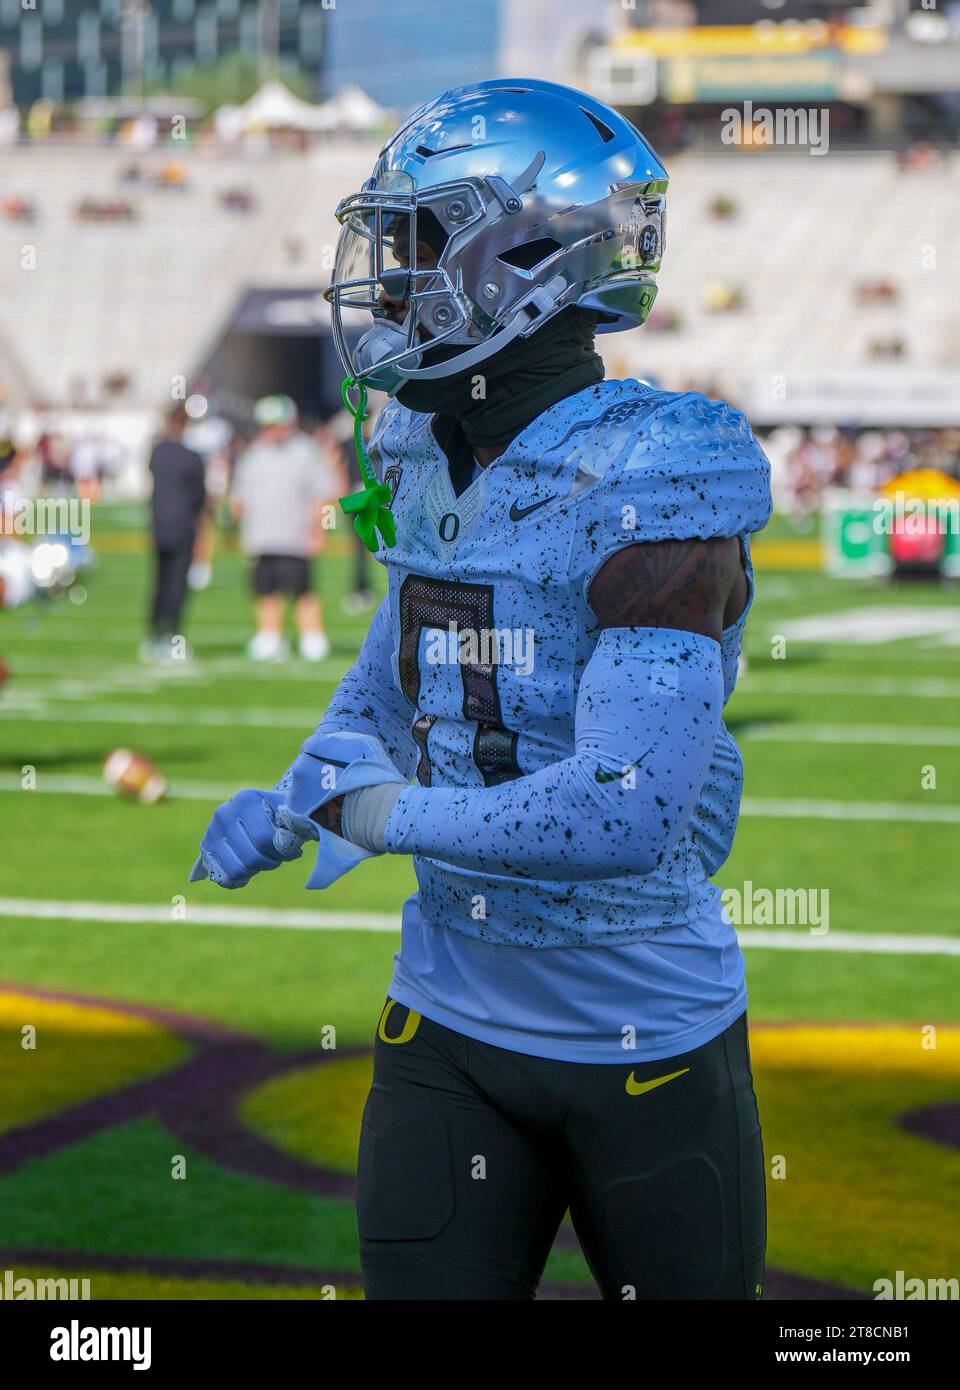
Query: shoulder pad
691	469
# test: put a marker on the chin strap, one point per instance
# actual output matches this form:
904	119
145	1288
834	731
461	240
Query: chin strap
370	507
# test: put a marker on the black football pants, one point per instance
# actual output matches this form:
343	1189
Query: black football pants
172	564
470	1155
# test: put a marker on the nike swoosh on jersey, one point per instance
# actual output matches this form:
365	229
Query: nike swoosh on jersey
517	513
583	478
602	775
640	1088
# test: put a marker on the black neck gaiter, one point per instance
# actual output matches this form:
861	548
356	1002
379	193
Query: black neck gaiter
520	383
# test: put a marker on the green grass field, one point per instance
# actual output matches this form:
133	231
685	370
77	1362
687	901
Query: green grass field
180	1097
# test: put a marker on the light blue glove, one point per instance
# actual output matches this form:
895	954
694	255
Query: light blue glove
329	765
243	839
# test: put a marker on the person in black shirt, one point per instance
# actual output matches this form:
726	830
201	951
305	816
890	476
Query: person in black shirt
179	498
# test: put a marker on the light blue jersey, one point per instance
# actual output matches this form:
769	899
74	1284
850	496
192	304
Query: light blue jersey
663	995
557	968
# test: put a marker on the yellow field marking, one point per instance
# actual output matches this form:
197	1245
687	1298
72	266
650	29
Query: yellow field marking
803	553
117	1284
852	1195
58	1053
885	1049
313	1112
65	1016
138	543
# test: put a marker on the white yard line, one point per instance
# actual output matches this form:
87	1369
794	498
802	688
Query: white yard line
20	703
115	636
86	679
769	807
39	705
184	716
785	684
67	785
195	915
920	649
773	807
892	734
874	943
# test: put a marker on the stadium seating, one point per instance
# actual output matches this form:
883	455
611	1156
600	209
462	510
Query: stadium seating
823	224
93	307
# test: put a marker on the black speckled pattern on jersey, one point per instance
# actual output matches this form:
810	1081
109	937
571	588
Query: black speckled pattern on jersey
677	467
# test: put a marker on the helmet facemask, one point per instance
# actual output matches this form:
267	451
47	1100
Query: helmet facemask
380	256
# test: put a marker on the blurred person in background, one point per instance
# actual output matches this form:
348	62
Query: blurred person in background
85	468
337	470
333	456
94	458
361	596
16	577
211	435
280	486
54	456
9	463
177	506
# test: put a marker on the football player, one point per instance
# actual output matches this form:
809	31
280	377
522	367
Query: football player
536	716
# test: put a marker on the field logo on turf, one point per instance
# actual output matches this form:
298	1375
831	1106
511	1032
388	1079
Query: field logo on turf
902	1288
778	907
13	1288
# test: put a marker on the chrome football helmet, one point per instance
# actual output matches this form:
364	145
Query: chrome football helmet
532	197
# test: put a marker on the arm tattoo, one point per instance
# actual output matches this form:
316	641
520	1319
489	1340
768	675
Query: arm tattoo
695	586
